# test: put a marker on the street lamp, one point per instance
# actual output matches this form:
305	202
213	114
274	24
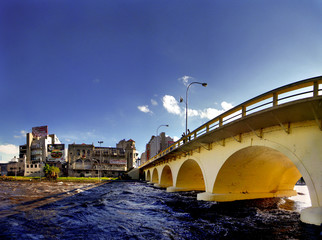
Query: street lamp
99	166
156	148
181	100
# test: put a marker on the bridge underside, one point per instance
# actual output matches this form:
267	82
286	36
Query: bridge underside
254	172
189	178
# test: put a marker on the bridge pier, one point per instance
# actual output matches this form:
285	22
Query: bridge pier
312	215
228	197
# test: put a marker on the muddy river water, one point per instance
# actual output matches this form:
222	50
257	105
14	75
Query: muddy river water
137	210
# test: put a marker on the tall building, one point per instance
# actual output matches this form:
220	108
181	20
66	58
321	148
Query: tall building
130	151
156	145
86	160
41	148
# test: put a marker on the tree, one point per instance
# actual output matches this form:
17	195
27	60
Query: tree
51	172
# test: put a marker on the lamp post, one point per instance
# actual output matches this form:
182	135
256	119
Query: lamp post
99	166
156	148
181	100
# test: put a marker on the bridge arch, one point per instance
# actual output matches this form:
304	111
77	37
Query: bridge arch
190	177
256	172
148	176
166	179
155	176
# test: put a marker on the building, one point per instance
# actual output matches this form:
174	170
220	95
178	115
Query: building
3	167
143	158
130	151
41	148
86	160
156	145
16	167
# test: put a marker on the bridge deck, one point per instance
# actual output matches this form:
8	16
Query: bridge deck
296	111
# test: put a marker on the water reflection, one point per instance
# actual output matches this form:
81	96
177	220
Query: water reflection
300	201
134	210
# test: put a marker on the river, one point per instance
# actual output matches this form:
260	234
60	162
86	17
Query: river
137	210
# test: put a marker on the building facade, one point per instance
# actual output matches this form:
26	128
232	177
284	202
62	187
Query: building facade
155	146
3	167
16	167
86	160
41	148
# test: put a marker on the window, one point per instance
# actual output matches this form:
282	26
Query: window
78	152
31	166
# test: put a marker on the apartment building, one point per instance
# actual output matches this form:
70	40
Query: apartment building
87	160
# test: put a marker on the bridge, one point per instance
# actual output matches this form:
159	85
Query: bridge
258	149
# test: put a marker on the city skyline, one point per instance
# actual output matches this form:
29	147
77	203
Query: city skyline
107	71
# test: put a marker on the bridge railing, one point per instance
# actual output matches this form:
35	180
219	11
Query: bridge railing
308	88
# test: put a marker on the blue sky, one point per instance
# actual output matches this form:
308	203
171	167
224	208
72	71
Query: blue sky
113	70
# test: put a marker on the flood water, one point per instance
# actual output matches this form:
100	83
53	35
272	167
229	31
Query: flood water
136	210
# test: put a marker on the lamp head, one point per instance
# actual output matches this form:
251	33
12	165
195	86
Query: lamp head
181	99
204	84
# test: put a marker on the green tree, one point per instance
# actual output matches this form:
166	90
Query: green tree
51	172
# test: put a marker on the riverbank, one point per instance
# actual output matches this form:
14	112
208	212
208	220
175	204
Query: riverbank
60	179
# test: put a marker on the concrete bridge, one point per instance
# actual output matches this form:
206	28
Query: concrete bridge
259	149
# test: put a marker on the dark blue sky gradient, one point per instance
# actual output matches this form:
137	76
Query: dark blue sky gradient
84	68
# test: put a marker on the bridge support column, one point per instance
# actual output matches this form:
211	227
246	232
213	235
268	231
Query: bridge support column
312	215
228	197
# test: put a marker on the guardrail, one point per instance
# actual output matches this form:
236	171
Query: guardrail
308	88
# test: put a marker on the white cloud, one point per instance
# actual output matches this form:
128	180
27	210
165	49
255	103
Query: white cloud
171	105
193	113
145	109
9	149
22	134
175	138
154	102
226	106
185	80
210	113
96	80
